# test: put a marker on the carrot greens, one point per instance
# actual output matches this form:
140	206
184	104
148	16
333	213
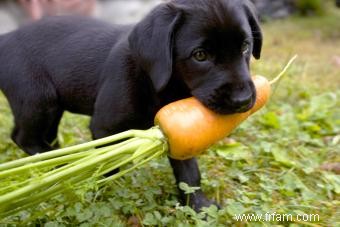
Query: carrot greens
29	181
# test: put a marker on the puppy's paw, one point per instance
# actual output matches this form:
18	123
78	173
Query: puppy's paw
198	200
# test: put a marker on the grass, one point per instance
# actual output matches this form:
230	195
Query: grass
272	164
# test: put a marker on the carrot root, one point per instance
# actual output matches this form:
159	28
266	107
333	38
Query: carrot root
282	73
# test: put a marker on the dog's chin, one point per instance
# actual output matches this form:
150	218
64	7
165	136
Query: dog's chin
223	108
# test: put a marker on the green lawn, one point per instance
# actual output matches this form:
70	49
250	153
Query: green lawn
273	163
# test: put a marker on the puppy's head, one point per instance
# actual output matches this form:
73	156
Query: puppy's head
205	43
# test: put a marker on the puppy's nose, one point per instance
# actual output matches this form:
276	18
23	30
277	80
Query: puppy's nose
242	103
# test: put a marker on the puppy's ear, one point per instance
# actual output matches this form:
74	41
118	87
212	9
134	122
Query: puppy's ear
255	28
152	41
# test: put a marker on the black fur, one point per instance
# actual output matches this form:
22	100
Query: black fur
121	75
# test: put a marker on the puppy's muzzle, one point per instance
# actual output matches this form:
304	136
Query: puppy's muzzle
242	103
241	97
233	98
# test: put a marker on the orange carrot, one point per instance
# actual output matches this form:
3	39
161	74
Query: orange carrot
191	127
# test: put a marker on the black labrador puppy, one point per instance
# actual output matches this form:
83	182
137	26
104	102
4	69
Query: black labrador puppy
122	74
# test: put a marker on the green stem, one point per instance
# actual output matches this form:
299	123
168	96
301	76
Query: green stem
156	146
29	201
121	173
84	164
32	200
94	153
127	160
47	163
49	180
69	150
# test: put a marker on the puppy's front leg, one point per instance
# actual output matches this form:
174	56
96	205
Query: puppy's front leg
187	171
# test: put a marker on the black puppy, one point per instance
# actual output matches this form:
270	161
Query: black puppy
121	75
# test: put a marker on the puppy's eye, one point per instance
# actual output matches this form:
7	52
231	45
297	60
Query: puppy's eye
245	48
200	55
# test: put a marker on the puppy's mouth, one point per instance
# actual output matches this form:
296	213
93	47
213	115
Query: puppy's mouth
228	108
228	101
